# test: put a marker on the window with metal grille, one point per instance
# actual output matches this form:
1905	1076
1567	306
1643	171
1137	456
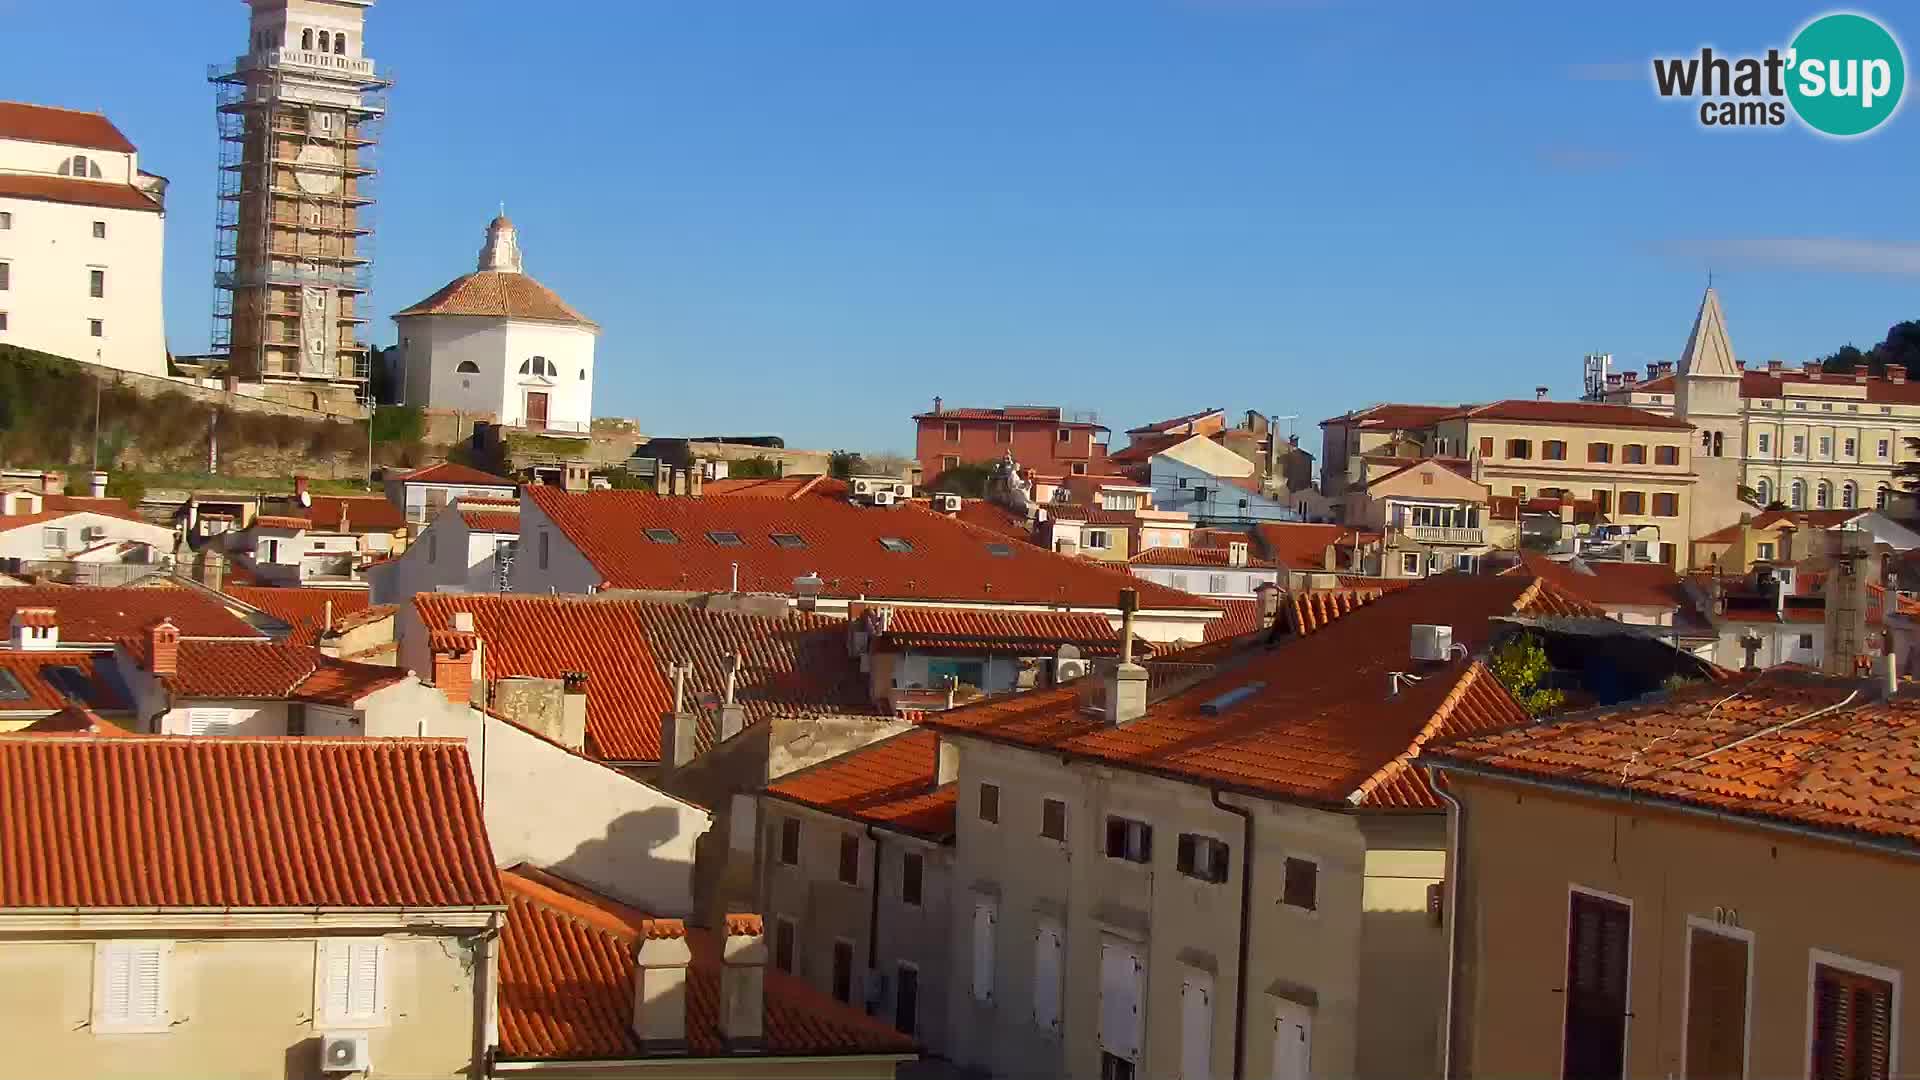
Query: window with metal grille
1202	857
1129	839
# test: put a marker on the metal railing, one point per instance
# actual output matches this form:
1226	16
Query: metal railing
70	572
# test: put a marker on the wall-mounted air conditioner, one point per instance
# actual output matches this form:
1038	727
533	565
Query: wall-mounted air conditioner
344	1052
948	503
883	498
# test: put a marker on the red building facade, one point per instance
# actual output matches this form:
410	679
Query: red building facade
1038	436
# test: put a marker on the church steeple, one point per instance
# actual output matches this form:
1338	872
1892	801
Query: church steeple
1709	352
502	249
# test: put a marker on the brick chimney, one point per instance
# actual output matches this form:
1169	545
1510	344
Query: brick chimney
1126	682
1897	373
743	996
163	648
1775	367
660	966
456	658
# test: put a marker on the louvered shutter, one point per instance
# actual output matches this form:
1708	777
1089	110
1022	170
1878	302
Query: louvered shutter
1121	978
1046	978
1196	1027
1716	1006
984	918
209	721
143	997
337	1000
364	988
1873	1032
116	1001
1852	1026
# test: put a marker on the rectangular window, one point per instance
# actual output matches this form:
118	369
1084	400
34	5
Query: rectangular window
1066	435
849	860
53	539
131	983
950	461
210	721
990	803
3	321
1196	1026
1216	583
6	220
953	433
1826	446
1880	449
1666	455
1764	551
783	935
912	870
1666	505
1486	447
1053	819
1047	950
906	999
1115	1068
1553	450
1097	539
1600	452
985	915
96	283
1716	1019
1520	448
1519	491
1599	931
1300	884
296	718
1603	500
99	230
790	841
6	276
96	328
1765	443
1846	447
1633	454
352	982
1852	1025
545	548
1806	641
1003	433
1799	445
1410	564
1129	839
843	971
1202	857
1633	502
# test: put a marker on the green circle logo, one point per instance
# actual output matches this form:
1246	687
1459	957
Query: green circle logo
1846	75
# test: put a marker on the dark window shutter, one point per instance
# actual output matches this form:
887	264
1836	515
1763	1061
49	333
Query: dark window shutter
1716	1006
1146	843
1183	861
1116	838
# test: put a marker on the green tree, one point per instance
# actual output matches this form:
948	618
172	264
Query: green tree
753	468
1521	665
844	463
1900	346
969	479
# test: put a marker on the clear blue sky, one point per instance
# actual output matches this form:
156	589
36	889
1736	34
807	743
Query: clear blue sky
808	217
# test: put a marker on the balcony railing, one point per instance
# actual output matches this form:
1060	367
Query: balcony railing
1446	534
349	65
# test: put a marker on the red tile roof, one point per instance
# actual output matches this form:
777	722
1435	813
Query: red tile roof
1037	631
489	518
1242	617
456	474
282	521
499	294
66	127
793	666
1312	609
1032	413
1160	556
764	487
268	671
56	678
1528	410
104	616
75	720
1322	726
72	192
1162	426
1760	383
566	985
300	823
1301	546
1393	417
304	610
365	513
949	560
1610	584
995	518
889	783
1761	753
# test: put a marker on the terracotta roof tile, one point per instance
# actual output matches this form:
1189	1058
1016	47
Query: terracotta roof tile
454	473
1394	417
566	986
1045	414
1528	410
1760	383
302	823
764	487
304	610
745	925
1322	725
1610	584
1312	609
948	628
793	665
993	517
1163	426
1768	752
842	542
282	521
1301	546
492	520
66	127
1242	617
270	671
499	294
65	189
103	616
364	513
76	720
57	678
1216	557
888	783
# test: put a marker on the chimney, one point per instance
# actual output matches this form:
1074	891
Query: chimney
97	484
35	629
1613	380
1666	367
50	484
660	986
1630	378
694	476
936	403
163	648
453	673
345	525
1775	367
1811	369
1653	370
743	998
662	478
1851	568
1126	699
1539	393
947	764
733	716
1236	553
1269	596
573	710
300	490
1897	373
679	729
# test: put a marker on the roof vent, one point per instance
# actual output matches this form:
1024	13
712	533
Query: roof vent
1431	642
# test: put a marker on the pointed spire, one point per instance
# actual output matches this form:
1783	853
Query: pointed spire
502	249
1709	352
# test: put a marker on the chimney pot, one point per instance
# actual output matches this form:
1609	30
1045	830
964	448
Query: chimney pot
163	648
97	485
660	987
1539	393
937	403
743	999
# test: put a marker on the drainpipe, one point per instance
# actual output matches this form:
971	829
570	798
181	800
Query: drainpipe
1246	932
873	913
1456	847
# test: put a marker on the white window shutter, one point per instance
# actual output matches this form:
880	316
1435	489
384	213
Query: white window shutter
1292	1042
209	721
1121	976
1046	978
984	918
117	1001
1196	1027
337	1003
145	1005
364	992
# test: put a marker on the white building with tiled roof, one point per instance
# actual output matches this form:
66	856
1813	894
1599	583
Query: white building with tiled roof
498	345
81	232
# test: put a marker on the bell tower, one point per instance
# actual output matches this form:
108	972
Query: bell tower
1707	395
299	116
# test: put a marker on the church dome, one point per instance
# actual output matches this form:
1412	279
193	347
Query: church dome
500	288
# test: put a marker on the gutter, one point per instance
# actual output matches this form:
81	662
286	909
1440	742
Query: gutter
873	913
1246	933
1456	868
682	1061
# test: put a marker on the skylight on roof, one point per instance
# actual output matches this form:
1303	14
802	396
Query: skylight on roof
1003	551
726	538
10	688
788	540
894	543
662	536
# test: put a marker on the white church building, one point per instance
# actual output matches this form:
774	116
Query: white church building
497	345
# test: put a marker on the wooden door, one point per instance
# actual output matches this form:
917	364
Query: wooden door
1716	1005
1598	934
536	410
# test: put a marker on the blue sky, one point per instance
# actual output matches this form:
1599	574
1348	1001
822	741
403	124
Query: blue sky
808	217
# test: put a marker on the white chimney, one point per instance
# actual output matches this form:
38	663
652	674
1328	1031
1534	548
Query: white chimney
1126	682
660	987
35	629
743	996
97	484
1237	553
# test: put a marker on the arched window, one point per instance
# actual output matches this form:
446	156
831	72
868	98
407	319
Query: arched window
1849	495
326	42
539	365
1718	448
79	165
1881	496
468	367
583	374
1798	498
340	44
306	39
1763	489
1823	496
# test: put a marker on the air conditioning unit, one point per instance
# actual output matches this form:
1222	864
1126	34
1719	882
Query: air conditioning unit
1431	642
93	534
883	498
1065	671
863	487
949	503
344	1052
